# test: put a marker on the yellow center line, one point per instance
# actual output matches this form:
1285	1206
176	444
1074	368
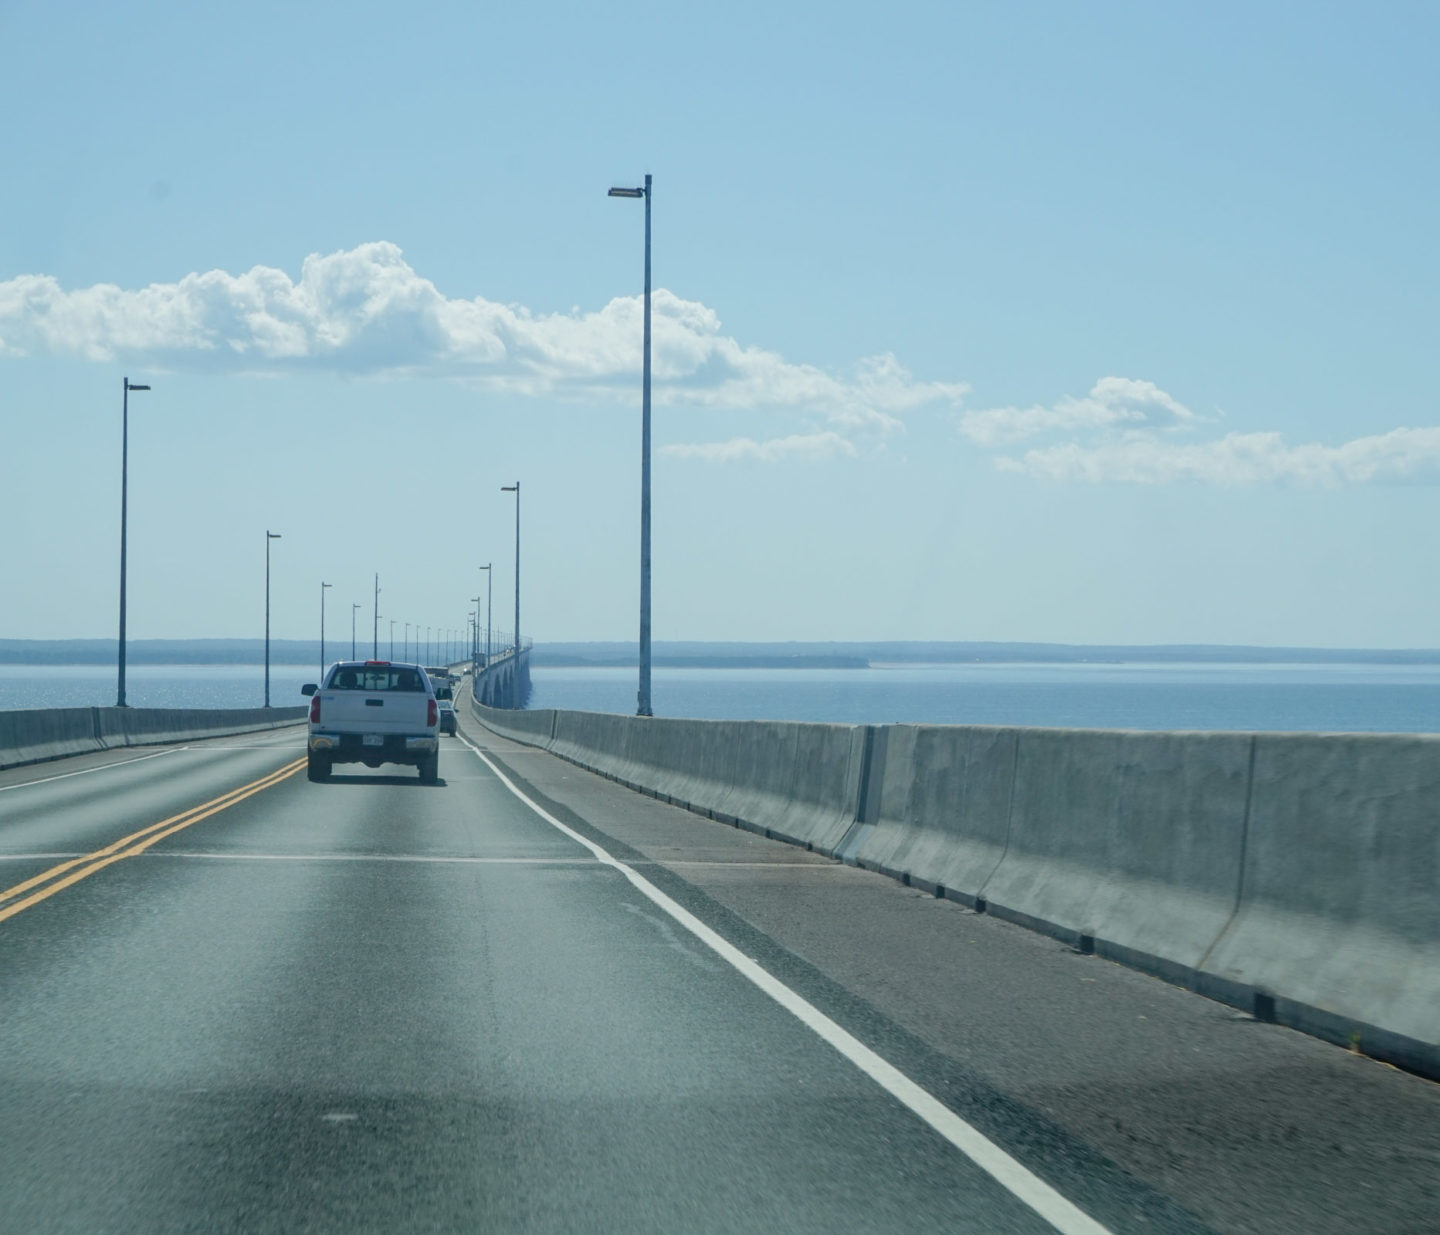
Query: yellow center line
125	840
136	843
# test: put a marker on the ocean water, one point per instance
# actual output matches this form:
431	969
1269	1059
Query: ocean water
153	686
1329	697
1300	697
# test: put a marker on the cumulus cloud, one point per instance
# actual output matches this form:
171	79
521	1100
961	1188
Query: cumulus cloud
1238	459
812	446
1112	402
366	311
1132	432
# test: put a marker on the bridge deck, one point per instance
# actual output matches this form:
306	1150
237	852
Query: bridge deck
373	1005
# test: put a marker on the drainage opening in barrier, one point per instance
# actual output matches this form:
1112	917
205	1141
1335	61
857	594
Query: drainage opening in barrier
1264	1007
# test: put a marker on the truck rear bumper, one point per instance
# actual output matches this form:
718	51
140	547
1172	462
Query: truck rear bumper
392	748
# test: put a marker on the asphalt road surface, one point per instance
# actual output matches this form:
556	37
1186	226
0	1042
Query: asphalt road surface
527	999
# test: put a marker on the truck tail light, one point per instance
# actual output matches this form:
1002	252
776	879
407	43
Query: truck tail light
433	715
315	709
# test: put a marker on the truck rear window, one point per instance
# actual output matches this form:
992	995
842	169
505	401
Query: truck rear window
372	678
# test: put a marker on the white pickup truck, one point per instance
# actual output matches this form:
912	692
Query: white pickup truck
373	712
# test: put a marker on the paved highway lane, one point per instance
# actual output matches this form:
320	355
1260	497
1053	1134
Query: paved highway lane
373	1005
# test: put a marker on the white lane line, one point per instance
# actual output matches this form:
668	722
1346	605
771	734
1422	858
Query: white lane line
1017	1179
104	767
726	864
39	857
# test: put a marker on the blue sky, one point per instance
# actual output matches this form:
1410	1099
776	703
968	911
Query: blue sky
1104	323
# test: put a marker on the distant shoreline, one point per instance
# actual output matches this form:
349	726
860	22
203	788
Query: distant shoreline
718	655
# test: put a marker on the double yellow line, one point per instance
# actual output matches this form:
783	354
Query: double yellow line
44	885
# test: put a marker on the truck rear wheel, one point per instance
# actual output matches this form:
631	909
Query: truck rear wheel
430	768
317	767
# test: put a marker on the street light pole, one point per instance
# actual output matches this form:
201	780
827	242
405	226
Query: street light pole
643	693
269	536
124	497
354	605
489	578
323	586
392	638
515	634
375	627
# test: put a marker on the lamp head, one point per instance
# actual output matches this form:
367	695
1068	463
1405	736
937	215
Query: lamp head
626	193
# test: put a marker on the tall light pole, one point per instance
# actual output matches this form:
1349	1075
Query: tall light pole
406	654
375	628
475	632
392	638
124	496
354	607
269	536
515	634
489	578
643	694
323	586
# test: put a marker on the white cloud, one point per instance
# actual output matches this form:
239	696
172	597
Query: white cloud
812	446
1238	459
1112	402
1132	432
367	311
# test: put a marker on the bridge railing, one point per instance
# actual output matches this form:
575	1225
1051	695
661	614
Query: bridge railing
35	735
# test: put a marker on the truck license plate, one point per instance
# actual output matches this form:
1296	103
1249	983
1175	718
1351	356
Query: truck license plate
373	739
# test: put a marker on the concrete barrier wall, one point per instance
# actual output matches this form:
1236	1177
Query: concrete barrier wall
937	809
1339	913
154	726
522	726
773	776
1133	840
37	734
34	735
1294	875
